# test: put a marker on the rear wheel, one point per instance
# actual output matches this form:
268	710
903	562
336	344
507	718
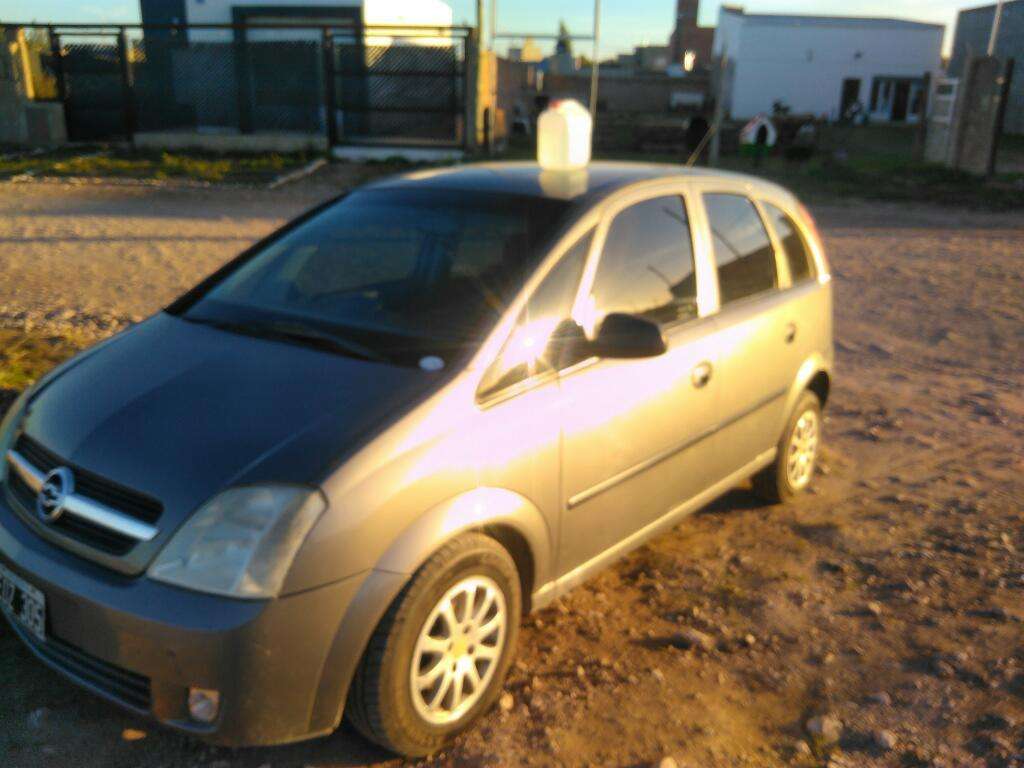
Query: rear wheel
797	456
440	655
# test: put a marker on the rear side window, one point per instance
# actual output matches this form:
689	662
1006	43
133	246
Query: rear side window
647	266
797	254
743	250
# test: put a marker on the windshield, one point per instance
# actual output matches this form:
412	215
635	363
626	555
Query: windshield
401	273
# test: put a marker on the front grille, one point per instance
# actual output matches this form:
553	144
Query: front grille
80	530
126	688
93	486
132	503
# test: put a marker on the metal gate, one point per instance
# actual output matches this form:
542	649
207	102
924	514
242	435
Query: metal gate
398	88
92	70
390	86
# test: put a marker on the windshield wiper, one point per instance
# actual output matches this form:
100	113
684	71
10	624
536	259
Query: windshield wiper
307	334
298	333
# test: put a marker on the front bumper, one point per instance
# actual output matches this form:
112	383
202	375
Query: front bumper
282	666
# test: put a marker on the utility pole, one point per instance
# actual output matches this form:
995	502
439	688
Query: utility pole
595	66
715	131
996	23
494	22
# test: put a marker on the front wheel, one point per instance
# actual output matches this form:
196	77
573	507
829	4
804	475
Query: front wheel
440	655
797	457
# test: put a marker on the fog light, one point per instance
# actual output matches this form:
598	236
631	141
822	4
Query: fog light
203	705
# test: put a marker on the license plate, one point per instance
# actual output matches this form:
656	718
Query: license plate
23	603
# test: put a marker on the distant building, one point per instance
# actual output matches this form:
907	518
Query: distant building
644	60
973	31
690	47
652	58
560	64
826	65
529	52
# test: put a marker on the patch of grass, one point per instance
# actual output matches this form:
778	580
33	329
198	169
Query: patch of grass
888	177
878	165
25	357
145	164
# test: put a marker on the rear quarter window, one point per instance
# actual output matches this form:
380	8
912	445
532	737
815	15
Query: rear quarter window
794	246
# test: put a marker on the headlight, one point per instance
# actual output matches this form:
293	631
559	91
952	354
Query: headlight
8	428
242	543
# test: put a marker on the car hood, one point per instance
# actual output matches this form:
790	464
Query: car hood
179	411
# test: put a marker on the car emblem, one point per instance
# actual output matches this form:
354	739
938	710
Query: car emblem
53	495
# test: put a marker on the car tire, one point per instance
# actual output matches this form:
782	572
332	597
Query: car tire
389	703
797	456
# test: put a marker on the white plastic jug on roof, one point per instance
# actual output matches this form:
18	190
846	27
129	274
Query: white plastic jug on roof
564	133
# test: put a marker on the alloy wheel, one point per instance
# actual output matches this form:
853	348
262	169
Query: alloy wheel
803	451
458	650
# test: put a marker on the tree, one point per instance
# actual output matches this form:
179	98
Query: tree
564	39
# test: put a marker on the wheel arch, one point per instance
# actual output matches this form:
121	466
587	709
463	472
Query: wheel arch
814	375
505	516
821	385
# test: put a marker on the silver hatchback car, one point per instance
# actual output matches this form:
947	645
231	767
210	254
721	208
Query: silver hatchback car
332	478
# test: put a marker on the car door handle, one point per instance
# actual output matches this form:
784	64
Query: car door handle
701	375
791	333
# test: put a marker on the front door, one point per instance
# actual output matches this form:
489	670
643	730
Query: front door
851	95
635	430
901	101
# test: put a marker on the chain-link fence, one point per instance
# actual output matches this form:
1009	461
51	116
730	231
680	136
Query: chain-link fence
380	85
406	93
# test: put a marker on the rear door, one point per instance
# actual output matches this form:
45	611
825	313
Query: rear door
636	431
806	288
755	328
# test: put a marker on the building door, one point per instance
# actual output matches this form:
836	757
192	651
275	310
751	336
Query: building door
901	101
851	95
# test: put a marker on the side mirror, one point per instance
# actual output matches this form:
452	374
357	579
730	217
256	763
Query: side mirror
628	337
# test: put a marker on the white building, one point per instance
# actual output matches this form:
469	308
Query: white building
826	65
344	13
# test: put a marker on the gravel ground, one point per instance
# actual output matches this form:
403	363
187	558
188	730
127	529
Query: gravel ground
876	622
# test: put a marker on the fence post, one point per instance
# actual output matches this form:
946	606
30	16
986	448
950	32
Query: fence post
721	73
58	64
24	64
242	80
1000	124
330	90
472	89
921	135
127	92
453	102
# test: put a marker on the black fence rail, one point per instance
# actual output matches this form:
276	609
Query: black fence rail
407	93
349	83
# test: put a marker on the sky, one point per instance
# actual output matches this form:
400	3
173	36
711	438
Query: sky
626	23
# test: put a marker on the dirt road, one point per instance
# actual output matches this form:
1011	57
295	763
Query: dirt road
888	604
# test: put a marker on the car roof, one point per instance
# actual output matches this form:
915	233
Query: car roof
599	180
